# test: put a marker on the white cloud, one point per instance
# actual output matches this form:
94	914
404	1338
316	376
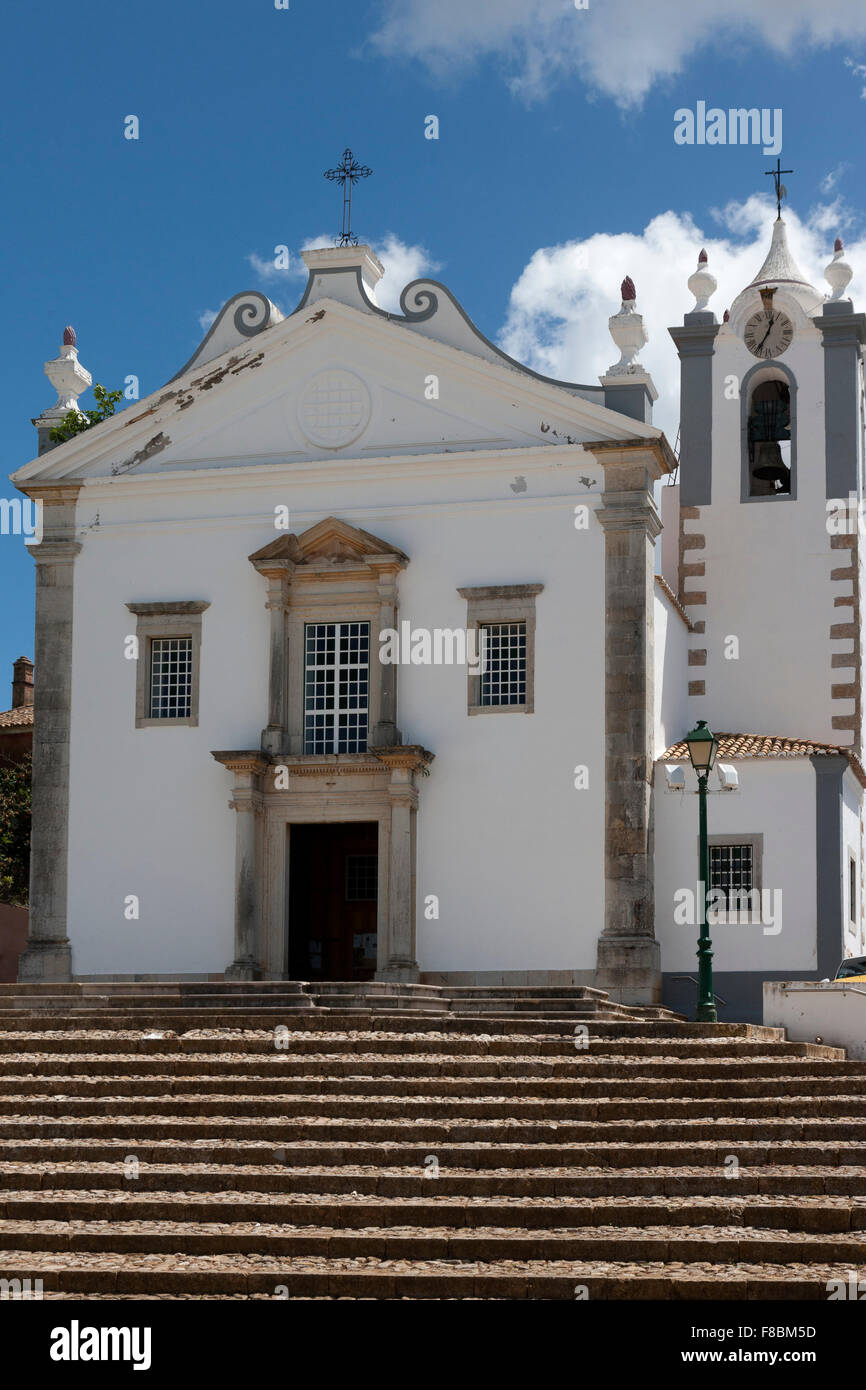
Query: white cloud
402	264
207	318
278	266
615	46
831	178
559	306
859	70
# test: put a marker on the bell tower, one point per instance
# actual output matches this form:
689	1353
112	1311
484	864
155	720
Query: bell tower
771	456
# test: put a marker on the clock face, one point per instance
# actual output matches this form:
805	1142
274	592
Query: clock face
768	334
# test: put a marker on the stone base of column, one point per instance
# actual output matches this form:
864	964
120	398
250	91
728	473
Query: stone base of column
400	968
629	968
46	960
385	735
243	970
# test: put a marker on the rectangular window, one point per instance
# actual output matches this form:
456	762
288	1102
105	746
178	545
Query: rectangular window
336	687
362	877
732	869
167	674
852	891
503	647
170	678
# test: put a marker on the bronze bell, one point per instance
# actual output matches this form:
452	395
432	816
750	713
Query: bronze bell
769	467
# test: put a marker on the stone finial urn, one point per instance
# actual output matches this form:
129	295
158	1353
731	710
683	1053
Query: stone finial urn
702	283
627	331
67	375
838	272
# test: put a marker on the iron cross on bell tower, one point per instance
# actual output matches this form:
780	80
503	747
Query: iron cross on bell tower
781	190
347	172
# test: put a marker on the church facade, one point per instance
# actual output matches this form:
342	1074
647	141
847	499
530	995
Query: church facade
364	651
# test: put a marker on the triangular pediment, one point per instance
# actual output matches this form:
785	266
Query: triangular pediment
330	541
333	384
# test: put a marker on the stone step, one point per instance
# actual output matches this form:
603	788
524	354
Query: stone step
264	1240
718	1035
413	1107
387	1043
309	1276
780	1094
349	1211
609	1075
227	1144
723	1129
511	1174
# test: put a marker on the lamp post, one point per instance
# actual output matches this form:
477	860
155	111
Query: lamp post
702	746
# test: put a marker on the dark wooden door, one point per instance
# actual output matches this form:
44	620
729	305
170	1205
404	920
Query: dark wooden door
333	896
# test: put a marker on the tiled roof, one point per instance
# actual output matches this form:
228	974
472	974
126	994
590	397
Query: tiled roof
21	718
772	746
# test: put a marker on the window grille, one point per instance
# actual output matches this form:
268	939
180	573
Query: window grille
503	681
170	677
336	687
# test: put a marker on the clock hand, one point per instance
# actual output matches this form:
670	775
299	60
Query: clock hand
767	334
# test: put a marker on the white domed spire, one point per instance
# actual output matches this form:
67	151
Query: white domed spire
838	273
781	271
702	283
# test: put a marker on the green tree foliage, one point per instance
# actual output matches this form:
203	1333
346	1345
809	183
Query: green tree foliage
14	831
76	421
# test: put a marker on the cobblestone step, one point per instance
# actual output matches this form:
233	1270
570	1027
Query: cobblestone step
351	1211
84	1273
182	1140
687	1244
323	1129
310	1172
41	1105
356	1085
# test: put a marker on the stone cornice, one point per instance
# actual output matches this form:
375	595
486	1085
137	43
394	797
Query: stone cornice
631	451
179	606
243	760
51	494
504	591
49	552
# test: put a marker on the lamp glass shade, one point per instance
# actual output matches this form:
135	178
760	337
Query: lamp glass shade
702	746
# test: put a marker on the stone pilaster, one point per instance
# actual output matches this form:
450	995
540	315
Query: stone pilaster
695	342
278	574
628	953
247	800
843	335
405	764
385	733
48	955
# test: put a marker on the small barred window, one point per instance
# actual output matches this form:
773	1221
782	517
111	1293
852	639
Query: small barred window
503	650
170	678
732	869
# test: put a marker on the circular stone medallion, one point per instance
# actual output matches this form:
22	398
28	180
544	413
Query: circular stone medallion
334	408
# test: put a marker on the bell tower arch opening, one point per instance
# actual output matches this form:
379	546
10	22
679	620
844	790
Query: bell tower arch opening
769	439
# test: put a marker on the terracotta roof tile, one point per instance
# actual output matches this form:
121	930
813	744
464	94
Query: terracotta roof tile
772	746
20	718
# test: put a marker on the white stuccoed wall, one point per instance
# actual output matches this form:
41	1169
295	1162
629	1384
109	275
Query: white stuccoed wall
768	569
514	852
671	683
776	799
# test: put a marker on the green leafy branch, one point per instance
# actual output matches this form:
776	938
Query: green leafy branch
76	421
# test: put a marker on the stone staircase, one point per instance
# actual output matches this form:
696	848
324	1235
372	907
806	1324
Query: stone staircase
219	1141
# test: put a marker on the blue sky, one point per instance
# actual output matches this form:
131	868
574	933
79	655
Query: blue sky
556	134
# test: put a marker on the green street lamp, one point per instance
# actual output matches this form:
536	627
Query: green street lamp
703	746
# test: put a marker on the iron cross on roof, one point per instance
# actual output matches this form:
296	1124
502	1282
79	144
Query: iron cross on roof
781	190
347	172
